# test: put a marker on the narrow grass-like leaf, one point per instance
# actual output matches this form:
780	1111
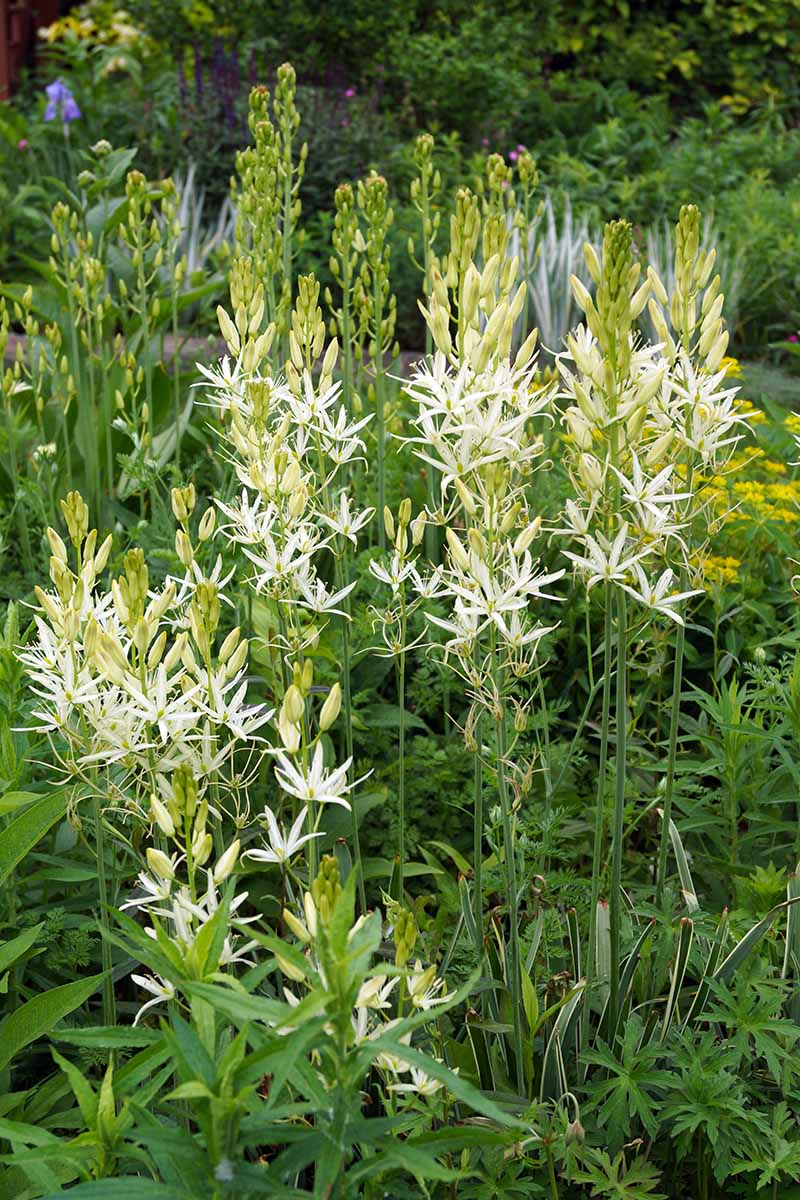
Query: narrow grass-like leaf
682	863
753	936
685	935
714	955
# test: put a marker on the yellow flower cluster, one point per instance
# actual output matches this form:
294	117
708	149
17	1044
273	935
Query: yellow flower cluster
717	569
95	24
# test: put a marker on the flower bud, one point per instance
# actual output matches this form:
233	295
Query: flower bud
57	545
202	846
457	550
293	704
331	708
465	496
297	927
207	524
159	864
160	815
289	733
226	864
527	536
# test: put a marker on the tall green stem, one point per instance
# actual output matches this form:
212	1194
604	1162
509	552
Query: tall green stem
615	899
401	763
477	838
348	722
600	816
674	716
176	374
379	413
513	962
109	1002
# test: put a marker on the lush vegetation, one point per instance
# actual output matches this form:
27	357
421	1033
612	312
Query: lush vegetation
399	751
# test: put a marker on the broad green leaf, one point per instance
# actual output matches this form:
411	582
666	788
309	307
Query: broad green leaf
38	1016
83	1090
11	951
133	1187
11	801
27	828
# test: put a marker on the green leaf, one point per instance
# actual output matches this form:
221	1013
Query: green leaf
11	801
459	1088
753	936
38	1016
131	1188
28	828
108	1037
14	950
84	1092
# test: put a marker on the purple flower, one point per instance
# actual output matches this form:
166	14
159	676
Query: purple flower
60	103
350	93
513	155
22	144
793	338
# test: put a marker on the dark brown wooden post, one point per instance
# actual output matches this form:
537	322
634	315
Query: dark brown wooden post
5	50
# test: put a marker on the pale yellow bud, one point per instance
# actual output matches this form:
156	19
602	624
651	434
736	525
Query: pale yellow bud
102	556
592	262
237	659
477	543
159	864
466	497
297	927
202	846
290	477
176	651
457	550
527	536
579	428
590	472
183	548
657	287
229	645
157	651
228	330
418	529
289	734
207	523
658	449
288	968
227	863
57	545
388	523
331	708
161	816
582	297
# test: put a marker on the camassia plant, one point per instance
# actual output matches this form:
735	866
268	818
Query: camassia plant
212	718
